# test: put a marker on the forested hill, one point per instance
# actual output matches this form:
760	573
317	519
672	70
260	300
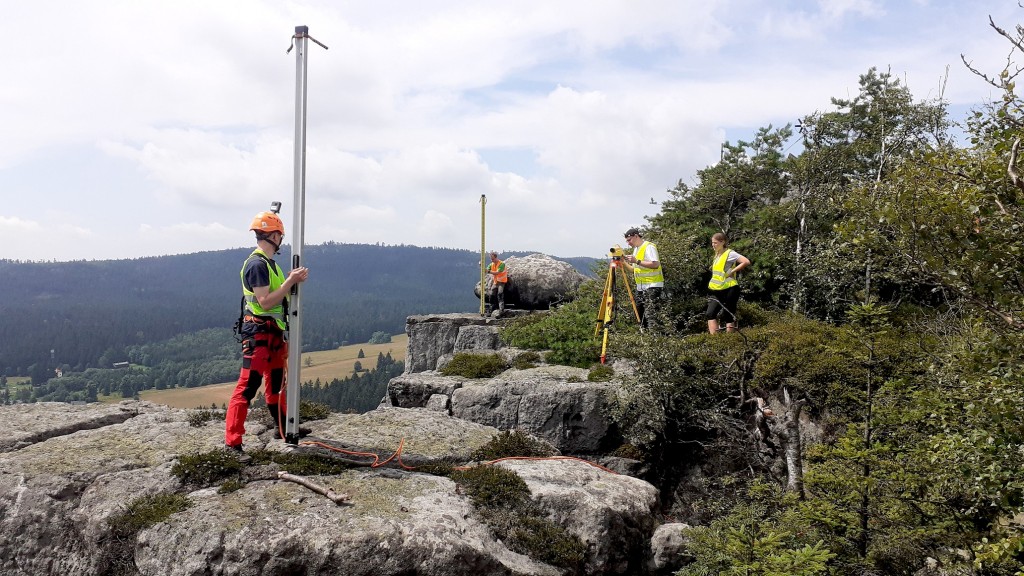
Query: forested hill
86	312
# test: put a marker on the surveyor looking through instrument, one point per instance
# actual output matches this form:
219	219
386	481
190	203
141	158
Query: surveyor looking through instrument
262	328
648	275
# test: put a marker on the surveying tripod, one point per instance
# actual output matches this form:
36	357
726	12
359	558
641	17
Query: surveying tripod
606	312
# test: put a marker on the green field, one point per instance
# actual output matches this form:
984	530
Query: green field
325	365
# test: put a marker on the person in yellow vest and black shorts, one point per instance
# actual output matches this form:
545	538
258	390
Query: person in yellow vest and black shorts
648	275
262	328
725	290
499	277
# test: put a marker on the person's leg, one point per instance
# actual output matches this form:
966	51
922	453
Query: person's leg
714	309
501	296
254	366
654	302
274	391
641	306
732	300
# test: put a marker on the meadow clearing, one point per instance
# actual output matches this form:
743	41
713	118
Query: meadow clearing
325	365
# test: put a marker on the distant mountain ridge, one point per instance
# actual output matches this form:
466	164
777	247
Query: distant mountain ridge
83	313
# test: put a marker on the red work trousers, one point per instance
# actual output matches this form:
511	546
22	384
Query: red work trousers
264	357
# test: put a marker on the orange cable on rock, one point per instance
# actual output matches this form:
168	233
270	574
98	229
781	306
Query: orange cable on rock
377	463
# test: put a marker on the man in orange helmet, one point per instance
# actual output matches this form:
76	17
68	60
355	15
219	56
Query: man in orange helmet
262	329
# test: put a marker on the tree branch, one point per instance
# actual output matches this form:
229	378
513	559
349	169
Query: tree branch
336	497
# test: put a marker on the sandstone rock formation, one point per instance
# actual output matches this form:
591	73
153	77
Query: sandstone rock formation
538	281
434	336
555	403
71	469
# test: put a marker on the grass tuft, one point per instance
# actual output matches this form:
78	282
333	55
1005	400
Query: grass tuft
475	365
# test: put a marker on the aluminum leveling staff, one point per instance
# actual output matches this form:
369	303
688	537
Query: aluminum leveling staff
262	328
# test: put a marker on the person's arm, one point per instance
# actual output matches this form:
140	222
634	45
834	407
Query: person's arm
741	263
268	299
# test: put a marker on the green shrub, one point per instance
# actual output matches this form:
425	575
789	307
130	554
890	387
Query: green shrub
302	462
475	365
568	332
503	500
492	486
230	485
628	451
512	443
600	373
146	511
313	410
118	557
543	540
197	418
206	468
526	360
443	467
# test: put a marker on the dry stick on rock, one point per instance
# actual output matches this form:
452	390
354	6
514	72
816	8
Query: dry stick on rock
336	497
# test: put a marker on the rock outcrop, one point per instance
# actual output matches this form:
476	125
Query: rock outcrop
538	281
73	469
433	337
555	403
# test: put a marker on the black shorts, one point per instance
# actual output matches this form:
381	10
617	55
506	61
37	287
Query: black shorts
726	300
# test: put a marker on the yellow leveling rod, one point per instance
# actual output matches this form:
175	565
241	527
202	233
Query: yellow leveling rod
483	251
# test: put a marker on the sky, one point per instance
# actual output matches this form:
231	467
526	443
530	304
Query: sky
134	128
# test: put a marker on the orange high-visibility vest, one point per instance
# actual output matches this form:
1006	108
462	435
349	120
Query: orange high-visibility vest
498	269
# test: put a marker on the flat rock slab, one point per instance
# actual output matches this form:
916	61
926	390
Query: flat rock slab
58	495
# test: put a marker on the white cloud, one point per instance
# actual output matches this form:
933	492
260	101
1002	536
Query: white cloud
161	127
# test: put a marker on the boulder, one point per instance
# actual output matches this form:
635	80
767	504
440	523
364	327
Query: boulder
576	492
555	403
668	549
415	390
538	281
60	488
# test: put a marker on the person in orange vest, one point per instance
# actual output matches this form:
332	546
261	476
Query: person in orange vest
725	290
500	277
262	328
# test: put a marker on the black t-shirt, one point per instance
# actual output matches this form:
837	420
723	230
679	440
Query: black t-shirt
257	273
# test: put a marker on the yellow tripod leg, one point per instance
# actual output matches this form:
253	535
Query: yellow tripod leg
625	282
602	310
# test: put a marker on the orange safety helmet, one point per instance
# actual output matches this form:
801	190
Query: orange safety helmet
267	222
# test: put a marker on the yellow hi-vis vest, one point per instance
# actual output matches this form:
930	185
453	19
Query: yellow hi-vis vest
718	278
646	275
252	305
